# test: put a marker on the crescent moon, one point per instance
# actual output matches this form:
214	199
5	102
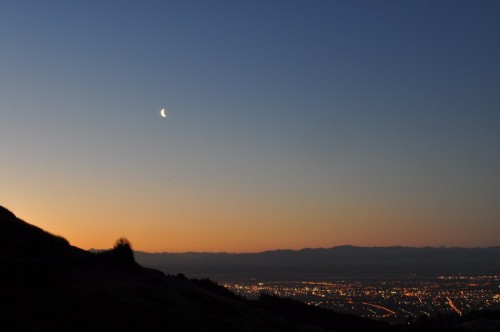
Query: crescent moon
163	113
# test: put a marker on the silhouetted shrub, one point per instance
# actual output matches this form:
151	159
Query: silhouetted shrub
122	250
122	244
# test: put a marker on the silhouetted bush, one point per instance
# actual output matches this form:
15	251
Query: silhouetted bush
122	251
122	244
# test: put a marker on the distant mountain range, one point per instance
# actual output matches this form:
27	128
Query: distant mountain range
48	285
342	260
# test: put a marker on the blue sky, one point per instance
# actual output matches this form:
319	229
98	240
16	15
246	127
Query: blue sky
312	120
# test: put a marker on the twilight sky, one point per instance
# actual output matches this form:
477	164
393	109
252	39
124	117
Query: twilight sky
291	123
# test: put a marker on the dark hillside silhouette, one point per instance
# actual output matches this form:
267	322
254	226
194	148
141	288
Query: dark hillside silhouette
48	285
19	239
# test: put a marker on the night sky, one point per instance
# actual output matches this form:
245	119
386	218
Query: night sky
290	124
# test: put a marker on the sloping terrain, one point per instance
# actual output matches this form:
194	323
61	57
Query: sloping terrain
20	240
48	285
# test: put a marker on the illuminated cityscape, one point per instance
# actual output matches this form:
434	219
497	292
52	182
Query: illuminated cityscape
394	301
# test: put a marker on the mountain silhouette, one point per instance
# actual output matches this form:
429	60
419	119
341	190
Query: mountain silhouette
341	260
48	285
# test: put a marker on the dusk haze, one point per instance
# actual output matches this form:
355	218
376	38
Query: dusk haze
247	126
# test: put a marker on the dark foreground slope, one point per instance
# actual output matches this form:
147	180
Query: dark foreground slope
48	285
20	240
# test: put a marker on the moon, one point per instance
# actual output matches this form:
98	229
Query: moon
163	112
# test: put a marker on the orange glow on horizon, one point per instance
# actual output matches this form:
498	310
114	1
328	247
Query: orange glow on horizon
190	232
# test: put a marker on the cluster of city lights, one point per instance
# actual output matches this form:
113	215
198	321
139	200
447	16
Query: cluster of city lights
392	300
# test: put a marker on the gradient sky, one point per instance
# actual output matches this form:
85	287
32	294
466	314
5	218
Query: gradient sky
291	123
